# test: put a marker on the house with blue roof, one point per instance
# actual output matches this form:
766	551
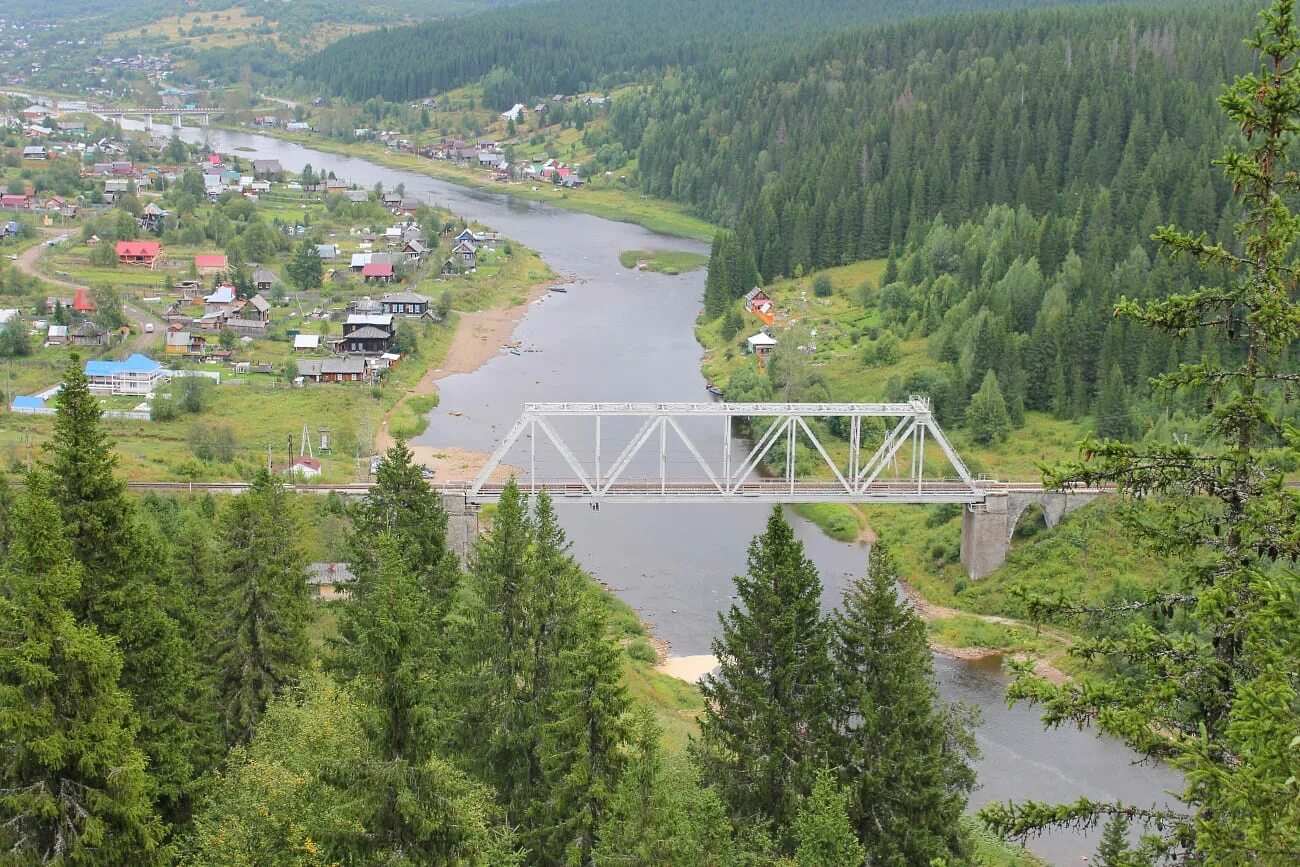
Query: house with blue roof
138	374
27	403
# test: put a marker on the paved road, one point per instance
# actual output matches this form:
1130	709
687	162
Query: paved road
29	263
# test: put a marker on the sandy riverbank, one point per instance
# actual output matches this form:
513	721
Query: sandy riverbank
688	668
478	339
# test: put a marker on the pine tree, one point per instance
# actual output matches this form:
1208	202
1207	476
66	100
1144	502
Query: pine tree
73	786
262	593
904	757
822	827
767	713
116	594
986	416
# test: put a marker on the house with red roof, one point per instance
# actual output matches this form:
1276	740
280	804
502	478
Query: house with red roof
139	252
381	273
11	201
210	265
82	302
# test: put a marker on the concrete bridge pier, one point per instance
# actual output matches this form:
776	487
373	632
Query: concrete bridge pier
462	524
987	527
984	539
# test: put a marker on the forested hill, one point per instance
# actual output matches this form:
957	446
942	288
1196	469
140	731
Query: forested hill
1015	165
839	148
572	45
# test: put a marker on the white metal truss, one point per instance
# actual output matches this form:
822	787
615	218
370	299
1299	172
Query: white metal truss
877	479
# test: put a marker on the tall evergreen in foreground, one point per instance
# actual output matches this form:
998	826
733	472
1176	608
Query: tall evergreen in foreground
767	717
261	642
73	786
117	595
413	801
904	757
1215	692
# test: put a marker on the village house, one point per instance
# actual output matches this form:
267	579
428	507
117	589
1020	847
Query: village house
328	581
333	370
56	335
265	169
184	343
367	334
467	237
221	300
516	113
151	217
306	342
82	303
257	307
465	255
35	152
15	202
303	466
87	333
757	302
379	273
144	253
415	250
327	251
407	303
761	343
138	374
263	279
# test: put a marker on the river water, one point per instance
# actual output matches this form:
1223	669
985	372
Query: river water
626	335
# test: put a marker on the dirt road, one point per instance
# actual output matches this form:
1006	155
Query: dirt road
29	263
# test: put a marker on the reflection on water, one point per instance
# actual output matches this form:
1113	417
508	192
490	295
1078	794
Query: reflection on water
621	335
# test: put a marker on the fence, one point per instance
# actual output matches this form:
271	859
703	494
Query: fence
134	414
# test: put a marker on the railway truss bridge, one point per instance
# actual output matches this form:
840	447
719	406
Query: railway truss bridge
763	453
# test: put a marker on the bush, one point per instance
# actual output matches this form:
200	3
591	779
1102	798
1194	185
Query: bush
641	650
212	442
822	286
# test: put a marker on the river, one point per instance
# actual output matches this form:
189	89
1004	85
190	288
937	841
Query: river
626	335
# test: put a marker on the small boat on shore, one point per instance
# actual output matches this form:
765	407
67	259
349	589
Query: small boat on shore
714	390
514	350
558	287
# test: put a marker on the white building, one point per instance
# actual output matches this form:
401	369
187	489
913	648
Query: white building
137	375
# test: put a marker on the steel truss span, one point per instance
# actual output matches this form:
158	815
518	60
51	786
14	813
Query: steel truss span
875	464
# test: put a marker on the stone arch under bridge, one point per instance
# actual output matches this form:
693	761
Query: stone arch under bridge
987	527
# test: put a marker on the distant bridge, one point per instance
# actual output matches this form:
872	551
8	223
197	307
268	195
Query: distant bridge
896	453
176	114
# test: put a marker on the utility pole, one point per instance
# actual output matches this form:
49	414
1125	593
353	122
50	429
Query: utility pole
289	466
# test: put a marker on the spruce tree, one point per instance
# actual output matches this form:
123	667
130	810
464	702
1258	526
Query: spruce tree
661	815
262	591
402	504
904	757
1113	414
117	595
584	741
73	785
1114	851
410	796
767	714
822	827
986	416
501	731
